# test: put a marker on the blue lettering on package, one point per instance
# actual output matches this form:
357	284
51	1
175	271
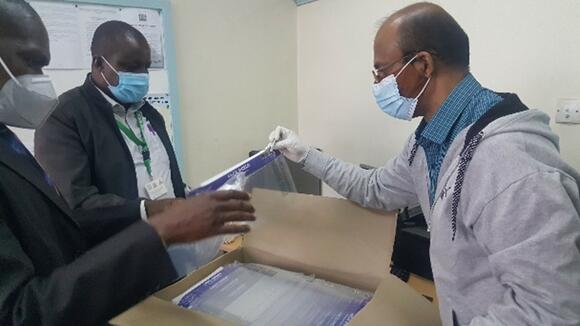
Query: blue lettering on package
248	167
193	296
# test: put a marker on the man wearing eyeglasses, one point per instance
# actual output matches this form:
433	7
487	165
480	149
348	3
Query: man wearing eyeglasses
501	205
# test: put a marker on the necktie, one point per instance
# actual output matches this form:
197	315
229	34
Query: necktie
18	147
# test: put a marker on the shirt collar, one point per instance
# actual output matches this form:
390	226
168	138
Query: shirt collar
117	107
439	127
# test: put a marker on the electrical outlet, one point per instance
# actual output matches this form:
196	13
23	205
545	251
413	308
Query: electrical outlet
568	111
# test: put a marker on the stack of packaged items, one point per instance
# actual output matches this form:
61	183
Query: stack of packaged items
253	294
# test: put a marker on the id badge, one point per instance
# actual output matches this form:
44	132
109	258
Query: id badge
155	189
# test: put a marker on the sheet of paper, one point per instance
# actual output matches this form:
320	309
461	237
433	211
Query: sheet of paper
148	22
71	28
90	17
162	104
62	23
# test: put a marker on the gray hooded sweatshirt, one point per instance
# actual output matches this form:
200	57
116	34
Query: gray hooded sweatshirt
505	225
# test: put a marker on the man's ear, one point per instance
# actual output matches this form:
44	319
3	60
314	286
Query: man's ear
98	62
425	63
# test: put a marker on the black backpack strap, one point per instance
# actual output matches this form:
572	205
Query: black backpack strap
418	132
509	105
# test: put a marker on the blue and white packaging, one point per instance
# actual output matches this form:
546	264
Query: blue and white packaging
248	168
266	165
254	294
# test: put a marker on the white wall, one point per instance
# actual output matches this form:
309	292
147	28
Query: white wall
237	78
529	47
246	66
64	80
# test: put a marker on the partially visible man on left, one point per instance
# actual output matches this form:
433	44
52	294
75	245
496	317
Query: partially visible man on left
59	267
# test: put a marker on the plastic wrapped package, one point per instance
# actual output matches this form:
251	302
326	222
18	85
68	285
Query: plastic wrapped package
252	294
274	176
263	170
267	170
188	257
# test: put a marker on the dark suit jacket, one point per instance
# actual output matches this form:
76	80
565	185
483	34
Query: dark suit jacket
83	151
55	271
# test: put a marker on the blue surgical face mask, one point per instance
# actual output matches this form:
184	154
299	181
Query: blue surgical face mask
132	87
391	102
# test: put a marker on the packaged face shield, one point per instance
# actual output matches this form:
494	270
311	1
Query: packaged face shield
253	294
267	170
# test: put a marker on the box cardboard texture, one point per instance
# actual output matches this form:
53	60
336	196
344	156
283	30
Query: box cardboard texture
333	239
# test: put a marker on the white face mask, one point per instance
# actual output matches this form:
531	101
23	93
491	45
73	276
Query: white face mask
26	101
391	102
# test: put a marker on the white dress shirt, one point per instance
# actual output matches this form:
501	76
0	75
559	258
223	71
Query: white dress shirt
160	165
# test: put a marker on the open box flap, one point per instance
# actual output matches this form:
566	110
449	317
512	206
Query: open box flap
395	303
159	310
154	311
175	289
328	235
332	238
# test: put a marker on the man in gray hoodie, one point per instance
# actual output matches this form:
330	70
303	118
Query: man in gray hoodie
501	205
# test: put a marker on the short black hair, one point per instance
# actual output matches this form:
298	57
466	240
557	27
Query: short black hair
109	34
437	32
12	13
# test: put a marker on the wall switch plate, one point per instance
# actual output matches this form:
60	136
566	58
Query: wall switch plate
568	111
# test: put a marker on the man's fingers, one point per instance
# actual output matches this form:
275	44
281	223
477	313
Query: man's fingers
234	217
230	194
233	229
283	144
280	133
275	135
236	205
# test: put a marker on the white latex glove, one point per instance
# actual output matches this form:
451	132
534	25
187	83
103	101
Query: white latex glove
287	142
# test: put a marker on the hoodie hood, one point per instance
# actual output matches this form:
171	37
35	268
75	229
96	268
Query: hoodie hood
533	122
513	117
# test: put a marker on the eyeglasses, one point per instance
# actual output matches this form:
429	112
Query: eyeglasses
380	72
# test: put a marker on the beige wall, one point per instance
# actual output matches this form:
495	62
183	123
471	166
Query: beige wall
529	47
237	78
246	66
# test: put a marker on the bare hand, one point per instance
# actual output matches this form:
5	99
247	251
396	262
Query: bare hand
204	216
154	207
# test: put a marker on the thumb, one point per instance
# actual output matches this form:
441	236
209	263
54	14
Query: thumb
284	145
276	134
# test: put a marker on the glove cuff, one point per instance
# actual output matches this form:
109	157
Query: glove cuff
316	162
305	157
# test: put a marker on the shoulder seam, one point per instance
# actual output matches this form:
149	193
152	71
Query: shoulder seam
507	187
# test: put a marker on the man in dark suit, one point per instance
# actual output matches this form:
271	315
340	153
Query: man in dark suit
104	144
59	267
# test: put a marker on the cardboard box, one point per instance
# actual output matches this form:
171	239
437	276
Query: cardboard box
334	239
